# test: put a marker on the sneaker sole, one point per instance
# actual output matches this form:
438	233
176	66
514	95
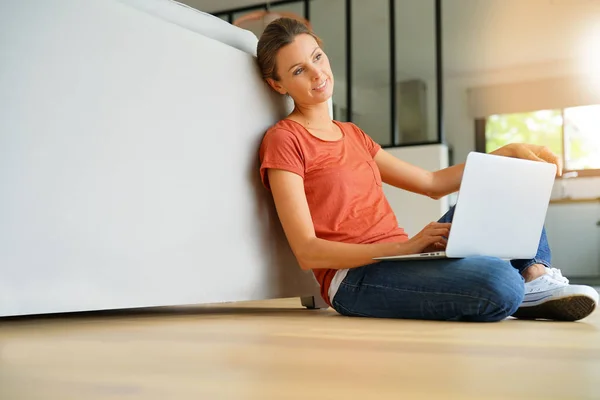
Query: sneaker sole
570	308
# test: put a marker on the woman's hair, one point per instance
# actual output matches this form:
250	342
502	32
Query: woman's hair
276	35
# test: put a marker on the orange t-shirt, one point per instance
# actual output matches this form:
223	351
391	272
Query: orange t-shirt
342	184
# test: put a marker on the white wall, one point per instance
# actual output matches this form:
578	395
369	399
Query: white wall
125	180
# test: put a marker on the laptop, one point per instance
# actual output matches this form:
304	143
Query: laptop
500	210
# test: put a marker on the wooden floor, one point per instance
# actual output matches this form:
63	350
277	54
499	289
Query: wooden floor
277	350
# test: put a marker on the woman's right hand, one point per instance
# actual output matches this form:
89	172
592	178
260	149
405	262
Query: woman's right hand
432	236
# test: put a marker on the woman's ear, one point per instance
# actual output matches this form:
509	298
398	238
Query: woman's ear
276	86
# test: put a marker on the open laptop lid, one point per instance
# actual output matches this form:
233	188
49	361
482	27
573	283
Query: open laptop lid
501	207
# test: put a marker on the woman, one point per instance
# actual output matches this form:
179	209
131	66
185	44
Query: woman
326	179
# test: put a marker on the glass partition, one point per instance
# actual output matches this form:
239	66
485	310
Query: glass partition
371	89
384	57
329	23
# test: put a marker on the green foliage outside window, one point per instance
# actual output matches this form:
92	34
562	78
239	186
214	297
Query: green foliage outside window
545	127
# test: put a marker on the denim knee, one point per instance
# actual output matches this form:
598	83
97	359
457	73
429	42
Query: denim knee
503	288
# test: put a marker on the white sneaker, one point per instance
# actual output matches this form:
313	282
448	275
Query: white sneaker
551	297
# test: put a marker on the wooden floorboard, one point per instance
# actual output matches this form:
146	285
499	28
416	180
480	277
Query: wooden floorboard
278	350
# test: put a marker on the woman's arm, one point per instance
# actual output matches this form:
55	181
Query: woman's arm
314	253
440	183
415	179
403	175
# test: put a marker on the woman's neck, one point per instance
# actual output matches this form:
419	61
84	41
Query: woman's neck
313	117
317	122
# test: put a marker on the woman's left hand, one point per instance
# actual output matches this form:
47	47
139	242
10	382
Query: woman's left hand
530	152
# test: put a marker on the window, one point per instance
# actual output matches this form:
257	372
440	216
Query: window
573	133
582	137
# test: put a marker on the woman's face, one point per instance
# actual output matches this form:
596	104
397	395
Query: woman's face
304	72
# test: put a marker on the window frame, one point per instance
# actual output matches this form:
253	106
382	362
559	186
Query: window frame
480	147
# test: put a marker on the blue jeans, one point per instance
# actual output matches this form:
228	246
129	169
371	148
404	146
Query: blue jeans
481	289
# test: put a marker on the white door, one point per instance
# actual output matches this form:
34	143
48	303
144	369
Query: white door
574	237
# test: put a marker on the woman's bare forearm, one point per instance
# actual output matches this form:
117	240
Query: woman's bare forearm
320	253
447	180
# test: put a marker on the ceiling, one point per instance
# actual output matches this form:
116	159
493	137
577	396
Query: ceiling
483	35
479	36
219	5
